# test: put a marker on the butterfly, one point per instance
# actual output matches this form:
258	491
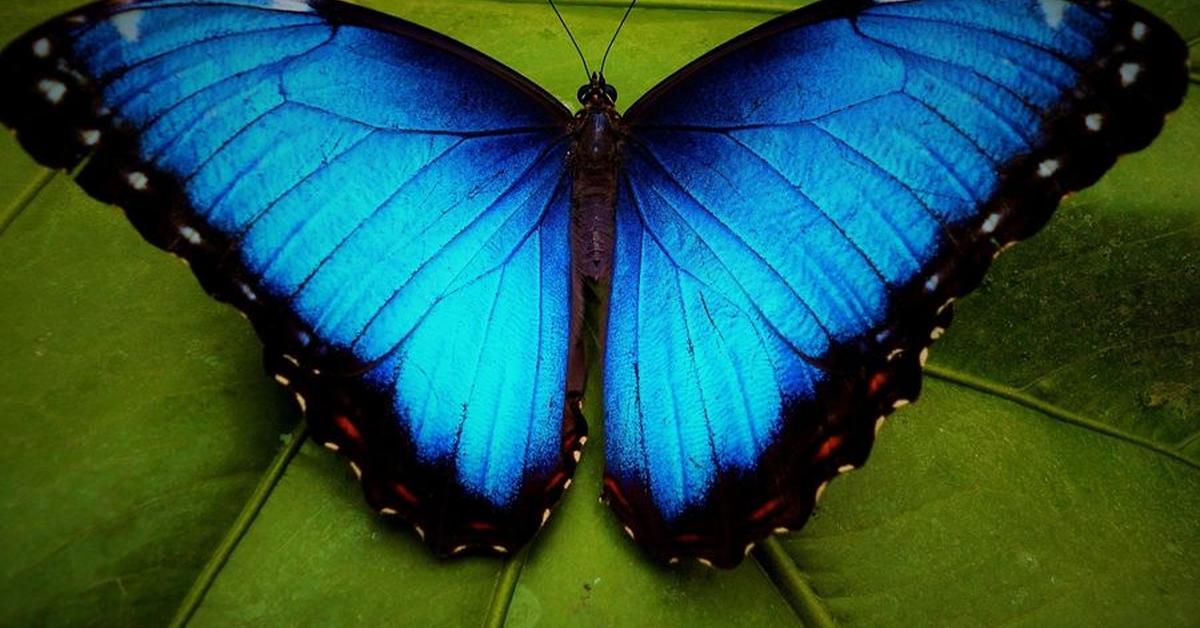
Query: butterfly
415	231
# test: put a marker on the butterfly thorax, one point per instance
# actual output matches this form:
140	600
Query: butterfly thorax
595	161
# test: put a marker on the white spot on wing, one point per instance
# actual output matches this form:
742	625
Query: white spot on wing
129	25
90	137
53	90
193	236
1140	30
1048	168
1094	122
249	292
1130	73
41	48
1054	11
138	180
932	283
990	224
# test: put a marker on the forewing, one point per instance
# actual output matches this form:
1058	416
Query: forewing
801	207
388	207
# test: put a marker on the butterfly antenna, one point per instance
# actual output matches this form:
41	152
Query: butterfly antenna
586	69
612	41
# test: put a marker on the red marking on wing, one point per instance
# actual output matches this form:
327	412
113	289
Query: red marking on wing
877	382
614	492
403	493
348	428
765	510
828	447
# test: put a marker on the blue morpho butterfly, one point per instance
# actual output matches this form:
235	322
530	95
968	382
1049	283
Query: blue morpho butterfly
414	230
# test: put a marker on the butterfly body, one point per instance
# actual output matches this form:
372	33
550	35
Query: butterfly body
408	224
594	161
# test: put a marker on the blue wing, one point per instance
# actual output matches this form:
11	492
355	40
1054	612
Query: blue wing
800	207
388	207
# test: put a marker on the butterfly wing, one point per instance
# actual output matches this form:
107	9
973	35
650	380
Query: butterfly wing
388	207
800	208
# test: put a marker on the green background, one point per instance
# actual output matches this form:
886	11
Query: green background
1050	474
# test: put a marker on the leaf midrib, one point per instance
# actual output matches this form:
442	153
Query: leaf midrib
240	527
1007	393
23	200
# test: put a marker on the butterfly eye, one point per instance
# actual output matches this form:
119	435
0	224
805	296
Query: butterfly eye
583	94
611	92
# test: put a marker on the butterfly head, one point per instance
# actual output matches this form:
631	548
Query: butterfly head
597	93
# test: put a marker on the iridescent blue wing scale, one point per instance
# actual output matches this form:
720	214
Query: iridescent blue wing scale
799	210
388	207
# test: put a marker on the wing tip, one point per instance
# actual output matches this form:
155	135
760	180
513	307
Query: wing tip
52	107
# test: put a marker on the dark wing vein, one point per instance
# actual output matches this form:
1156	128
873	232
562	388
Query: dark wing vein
733	277
474	221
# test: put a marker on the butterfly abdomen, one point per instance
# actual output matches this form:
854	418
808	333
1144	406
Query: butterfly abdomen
595	161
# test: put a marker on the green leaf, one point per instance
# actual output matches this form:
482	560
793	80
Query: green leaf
1049	475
